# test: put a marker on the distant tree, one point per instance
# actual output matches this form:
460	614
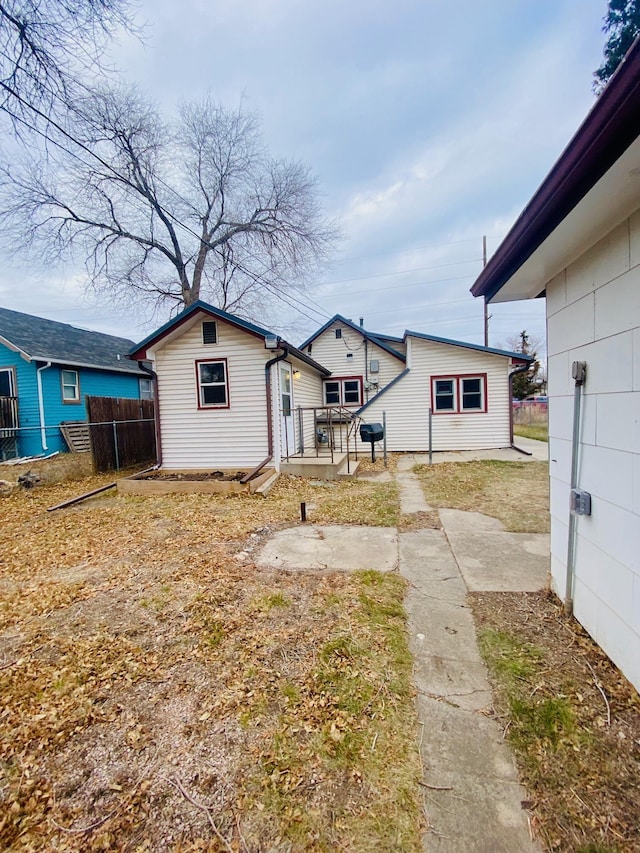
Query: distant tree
48	48
622	25
527	383
168	212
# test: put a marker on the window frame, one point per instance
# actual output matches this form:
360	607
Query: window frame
70	400
146	396
458	380
199	386
340	380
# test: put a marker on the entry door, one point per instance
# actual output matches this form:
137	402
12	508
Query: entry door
286	411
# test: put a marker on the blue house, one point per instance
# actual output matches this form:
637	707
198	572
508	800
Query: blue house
47	369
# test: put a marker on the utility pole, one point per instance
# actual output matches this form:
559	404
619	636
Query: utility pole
486	307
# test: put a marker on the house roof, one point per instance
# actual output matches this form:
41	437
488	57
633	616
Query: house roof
37	339
517	356
139	351
376	339
594	185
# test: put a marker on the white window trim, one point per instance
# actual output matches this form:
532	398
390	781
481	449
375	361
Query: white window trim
201	385
458	381
75	385
340	381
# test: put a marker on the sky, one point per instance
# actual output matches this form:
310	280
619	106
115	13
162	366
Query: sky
428	124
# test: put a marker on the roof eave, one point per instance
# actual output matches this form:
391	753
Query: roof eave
609	129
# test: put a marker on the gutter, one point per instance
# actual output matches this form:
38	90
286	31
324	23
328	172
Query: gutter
156	410
521	369
267	378
43	431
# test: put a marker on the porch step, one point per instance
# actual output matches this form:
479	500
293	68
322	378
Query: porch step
319	467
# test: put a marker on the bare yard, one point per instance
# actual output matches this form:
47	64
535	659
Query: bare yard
160	692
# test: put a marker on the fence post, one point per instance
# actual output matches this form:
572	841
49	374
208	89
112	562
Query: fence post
384	437
115	445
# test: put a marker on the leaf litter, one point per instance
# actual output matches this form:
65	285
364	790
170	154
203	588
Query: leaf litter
160	692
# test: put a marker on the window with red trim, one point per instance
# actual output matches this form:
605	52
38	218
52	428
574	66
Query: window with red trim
459	394
213	384
343	391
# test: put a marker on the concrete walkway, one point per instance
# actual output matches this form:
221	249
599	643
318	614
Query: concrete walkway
472	795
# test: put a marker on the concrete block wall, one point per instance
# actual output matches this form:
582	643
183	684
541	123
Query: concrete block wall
593	315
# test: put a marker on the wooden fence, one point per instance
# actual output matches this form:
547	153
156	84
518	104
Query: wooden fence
122	432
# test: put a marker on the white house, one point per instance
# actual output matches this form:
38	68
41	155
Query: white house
361	362
578	243
227	391
466	385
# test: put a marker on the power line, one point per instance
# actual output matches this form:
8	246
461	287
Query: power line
398	272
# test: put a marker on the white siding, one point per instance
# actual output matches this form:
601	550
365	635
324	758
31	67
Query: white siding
307	394
407	402
194	438
593	311
332	352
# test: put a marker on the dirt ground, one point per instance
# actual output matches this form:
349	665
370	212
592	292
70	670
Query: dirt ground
160	692
572	719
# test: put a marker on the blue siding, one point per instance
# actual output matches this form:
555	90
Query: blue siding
93	383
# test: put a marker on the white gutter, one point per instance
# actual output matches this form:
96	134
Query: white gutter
43	431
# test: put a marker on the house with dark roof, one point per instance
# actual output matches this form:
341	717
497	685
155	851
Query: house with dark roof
47	369
577	243
230	395
377	376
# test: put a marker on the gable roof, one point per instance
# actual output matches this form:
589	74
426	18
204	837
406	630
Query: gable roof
593	187
139	351
37	339
519	356
376	339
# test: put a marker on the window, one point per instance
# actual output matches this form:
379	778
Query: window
343	392
338	333
213	387
209	332
70	386
459	394
146	389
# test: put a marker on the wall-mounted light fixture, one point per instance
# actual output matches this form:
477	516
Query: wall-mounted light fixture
296	374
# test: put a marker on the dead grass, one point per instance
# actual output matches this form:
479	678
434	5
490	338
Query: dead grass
159	692
63	468
540	432
517	493
572	719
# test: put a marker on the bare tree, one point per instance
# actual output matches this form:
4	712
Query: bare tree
168	211
47	47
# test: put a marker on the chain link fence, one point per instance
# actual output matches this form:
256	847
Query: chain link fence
530	412
113	445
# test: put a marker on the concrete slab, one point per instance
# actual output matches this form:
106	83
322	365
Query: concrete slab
332	548
473	800
492	560
539	451
411	494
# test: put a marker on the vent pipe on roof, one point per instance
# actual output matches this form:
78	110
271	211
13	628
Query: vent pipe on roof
362	322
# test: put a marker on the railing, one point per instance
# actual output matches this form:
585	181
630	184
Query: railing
8	415
323	431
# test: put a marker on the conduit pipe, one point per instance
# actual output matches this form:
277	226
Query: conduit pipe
43	429
579	374
267	377
156	410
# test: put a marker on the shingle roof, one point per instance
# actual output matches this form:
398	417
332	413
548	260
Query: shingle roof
140	350
48	340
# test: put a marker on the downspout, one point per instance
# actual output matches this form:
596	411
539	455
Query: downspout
156	410
43	430
267	378
522	369
579	372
